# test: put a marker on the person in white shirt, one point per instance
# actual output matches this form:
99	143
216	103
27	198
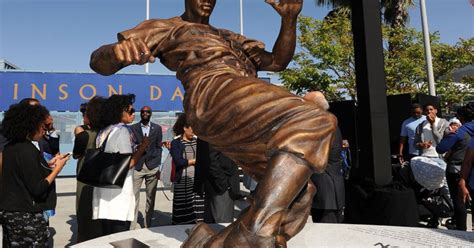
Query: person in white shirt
430	132
429	169
147	167
116	207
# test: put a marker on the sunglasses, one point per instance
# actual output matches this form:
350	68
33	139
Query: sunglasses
146	111
131	111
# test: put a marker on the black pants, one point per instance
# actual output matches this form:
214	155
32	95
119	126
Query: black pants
460	211
114	226
327	216
24	229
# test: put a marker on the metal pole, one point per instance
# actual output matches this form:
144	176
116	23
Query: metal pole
426	39
241	18
147	69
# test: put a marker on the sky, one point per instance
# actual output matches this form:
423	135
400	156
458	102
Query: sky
60	35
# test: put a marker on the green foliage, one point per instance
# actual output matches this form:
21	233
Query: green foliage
325	61
394	12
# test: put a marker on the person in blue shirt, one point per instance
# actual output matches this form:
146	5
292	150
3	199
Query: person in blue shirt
456	142
408	131
467	175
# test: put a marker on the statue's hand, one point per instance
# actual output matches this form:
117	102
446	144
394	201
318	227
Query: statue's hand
132	51
287	8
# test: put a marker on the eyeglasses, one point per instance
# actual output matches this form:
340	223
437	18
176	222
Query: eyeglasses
131	111
146	111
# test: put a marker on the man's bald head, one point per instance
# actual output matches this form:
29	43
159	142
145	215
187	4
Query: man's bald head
318	98
30	101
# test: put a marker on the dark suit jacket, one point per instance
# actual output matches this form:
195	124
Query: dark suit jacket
330	184
49	145
152	155
216	172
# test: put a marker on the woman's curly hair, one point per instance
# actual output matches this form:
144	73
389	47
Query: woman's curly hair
180	124
21	121
112	109
94	111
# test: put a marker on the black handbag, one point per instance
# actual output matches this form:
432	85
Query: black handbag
104	170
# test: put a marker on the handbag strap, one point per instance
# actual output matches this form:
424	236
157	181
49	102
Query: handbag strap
102	147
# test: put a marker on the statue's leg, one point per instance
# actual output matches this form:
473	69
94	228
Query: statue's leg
298	213
277	210
260	225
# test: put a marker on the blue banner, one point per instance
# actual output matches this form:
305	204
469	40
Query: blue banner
66	91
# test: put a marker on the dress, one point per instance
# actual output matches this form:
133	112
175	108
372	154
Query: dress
110	203
247	119
188	206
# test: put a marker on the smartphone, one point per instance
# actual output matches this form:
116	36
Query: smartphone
67	155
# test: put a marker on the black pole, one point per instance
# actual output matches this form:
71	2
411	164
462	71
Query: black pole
372	126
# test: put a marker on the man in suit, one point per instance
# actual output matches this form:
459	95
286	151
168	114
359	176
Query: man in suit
220	178
329	201
147	167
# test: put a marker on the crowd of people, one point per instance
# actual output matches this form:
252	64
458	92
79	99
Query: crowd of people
30	162
437	151
206	183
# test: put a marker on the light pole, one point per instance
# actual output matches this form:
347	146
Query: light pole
426	39
241	18
147	17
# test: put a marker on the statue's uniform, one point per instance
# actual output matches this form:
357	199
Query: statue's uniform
246	118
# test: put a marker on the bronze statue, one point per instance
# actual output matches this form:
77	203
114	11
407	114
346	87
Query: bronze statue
276	137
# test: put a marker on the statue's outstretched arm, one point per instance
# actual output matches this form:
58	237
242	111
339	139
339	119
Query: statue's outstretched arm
285	44
109	59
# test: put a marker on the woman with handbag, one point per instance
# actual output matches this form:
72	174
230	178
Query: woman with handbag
115	207
85	136
188	207
27	182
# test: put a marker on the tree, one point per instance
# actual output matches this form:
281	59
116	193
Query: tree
325	61
395	12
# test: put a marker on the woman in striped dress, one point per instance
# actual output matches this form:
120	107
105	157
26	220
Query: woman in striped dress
188	207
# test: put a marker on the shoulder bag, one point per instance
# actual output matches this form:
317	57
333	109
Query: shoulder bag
104	170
